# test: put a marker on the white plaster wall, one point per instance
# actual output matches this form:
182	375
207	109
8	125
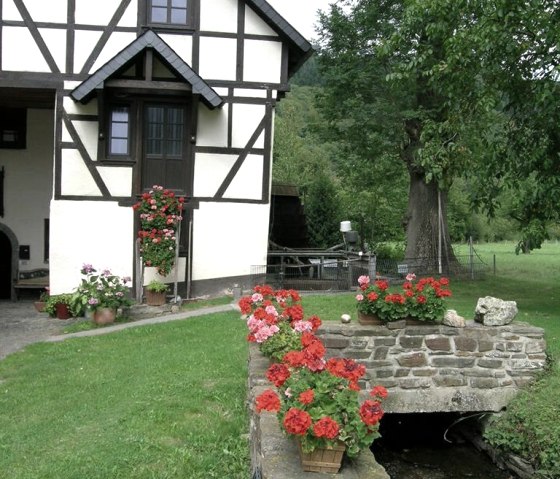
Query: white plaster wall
72	107
75	177
246	118
210	170
249	92
28	185
262	61
212	127
84	43
117	42
42	11
55	39
117	179
181	45
97	12
88	131
218	58
9	11
254	25
248	180
229	238
13	59
96	232
218	16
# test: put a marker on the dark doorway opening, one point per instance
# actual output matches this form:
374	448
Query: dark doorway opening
5	266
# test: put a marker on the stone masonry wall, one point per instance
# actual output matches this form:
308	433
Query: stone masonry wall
436	368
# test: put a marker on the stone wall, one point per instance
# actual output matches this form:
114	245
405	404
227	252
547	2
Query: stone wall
436	368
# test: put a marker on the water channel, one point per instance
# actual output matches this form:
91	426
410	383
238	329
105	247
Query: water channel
430	446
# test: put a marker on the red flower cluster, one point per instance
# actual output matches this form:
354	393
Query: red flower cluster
297	421
311	356
371	412
348	369
306	397
277	374
326	427
268	401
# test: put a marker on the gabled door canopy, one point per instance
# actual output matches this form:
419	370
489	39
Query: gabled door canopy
149	40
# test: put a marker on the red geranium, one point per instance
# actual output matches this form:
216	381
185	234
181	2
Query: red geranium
297	421
326	427
379	392
306	397
371	412
277	374
268	401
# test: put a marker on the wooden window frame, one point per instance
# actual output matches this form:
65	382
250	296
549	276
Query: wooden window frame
192	12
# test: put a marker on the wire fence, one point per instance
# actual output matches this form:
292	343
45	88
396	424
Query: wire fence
335	272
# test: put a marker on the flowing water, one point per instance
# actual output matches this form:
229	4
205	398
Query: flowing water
429	446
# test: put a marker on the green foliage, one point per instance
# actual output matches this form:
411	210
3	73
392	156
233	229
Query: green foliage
394	251
277	345
156	286
53	300
322	211
114	406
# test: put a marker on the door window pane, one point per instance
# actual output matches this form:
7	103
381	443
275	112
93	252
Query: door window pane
169	11
119	135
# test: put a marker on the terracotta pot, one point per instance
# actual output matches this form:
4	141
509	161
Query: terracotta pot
322	459
369	319
62	311
39	306
155	299
104	315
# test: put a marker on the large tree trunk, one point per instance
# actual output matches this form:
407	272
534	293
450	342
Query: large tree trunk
428	244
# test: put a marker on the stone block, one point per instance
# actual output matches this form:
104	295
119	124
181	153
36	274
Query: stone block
387	383
380	353
438	343
384	373
373	364
523	372
541	357
465	344
358	343
514	346
522	382
424	372
494	311
415	383
450	372
519	356
421	330
449	381
411	342
484	383
335	342
490	363
402	372
479	373
413	360
525	364
498	354
535	347
485	345
384	341
451	362
505	382
401	324
357	354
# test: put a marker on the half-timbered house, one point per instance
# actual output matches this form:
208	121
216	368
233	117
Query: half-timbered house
100	100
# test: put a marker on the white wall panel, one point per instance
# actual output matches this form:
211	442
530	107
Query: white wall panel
118	180
210	170
88	133
76	238
84	43
218	16
117	42
181	44
212	127
248	180
218	58
28	185
217	252
254	24
246	118
130	16
97	12
72	107
76	178
55	39
10	11
47	11
250	92
262	61
13	59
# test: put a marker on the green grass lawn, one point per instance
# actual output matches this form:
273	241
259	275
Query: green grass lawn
165	401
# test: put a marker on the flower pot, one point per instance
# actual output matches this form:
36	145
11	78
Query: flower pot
39	306
322	459
62	311
369	319
104	315
154	298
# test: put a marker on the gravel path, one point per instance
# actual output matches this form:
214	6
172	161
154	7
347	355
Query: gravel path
21	325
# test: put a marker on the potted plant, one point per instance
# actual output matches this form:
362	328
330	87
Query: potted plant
422	300
160	213
43	298
59	306
275	320
317	402
155	293
102	293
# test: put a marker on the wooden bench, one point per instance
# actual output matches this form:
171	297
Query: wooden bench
33	279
